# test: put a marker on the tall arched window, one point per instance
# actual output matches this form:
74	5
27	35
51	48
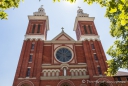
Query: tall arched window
38	30
33	29
65	71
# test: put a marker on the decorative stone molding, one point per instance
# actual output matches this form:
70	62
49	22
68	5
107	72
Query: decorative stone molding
63	42
64	77
66	48
78	72
34	37
41	12
50	72
27	78
60	66
25	82
89	37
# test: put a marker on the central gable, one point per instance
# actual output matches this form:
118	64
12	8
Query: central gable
63	37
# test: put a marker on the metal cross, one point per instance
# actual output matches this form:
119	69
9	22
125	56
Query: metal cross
79	7
41	6
62	29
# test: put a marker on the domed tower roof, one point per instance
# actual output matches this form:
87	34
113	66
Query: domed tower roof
41	12
80	13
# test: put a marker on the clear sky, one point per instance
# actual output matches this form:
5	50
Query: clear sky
61	14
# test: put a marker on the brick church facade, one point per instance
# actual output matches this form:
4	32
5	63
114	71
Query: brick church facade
62	61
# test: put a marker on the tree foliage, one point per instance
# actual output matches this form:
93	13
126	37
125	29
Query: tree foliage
6	4
117	13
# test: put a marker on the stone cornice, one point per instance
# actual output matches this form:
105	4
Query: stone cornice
31	17
82	19
67	65
64	77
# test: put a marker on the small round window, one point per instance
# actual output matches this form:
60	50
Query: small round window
63	55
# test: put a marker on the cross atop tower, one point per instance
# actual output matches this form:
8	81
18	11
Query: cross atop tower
79	7
41	6
62	29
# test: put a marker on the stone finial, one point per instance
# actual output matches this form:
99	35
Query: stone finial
79	7
80	13
41	6
41	12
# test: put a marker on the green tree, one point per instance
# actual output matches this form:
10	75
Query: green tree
117	13
6	4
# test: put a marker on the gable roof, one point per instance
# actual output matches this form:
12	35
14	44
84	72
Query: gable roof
121	73
63	37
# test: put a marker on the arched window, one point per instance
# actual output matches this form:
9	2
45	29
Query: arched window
33	29
65	71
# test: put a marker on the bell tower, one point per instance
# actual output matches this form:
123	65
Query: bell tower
38	25
30	61
84	26
86	32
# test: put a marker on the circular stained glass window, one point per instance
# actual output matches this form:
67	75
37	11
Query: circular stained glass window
63	55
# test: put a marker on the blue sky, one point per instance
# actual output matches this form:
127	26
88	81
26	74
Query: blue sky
61	14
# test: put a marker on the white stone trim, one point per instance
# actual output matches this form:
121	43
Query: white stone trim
89	37
46	64
82	19
50	72
36	37
62	33
82	63
31	53
64	77
62	42
47	45
30	17
98	65
28	67
60	66
28	78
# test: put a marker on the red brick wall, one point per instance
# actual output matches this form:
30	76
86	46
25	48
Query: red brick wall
80	54
47	54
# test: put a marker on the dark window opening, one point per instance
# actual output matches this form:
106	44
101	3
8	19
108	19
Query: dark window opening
28	72
95	57
104	84
99	70
38	31
90	29
119	79
33	29
30	58
85	29
127	78
92	46
32	46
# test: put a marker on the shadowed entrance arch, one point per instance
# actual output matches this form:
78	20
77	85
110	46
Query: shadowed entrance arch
65	83
104	84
